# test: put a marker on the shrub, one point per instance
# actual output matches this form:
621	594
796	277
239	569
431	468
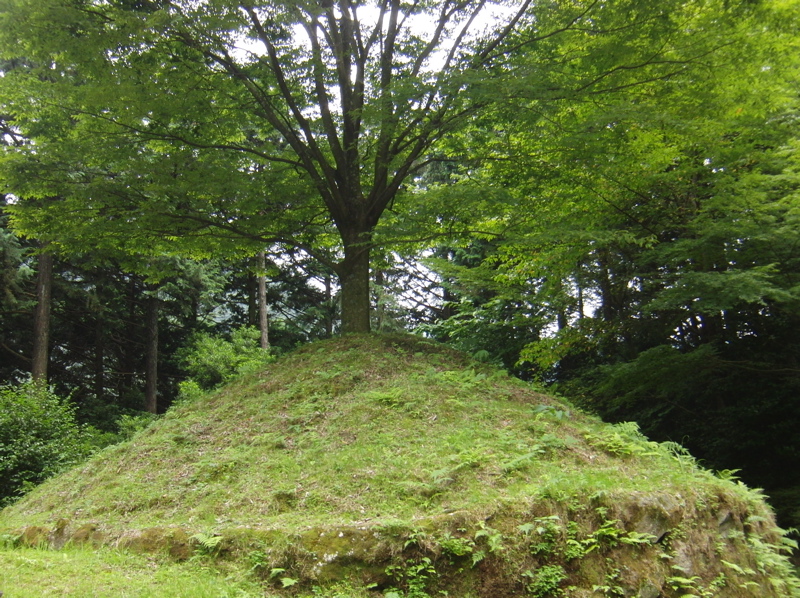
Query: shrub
39	437
131	424
212	360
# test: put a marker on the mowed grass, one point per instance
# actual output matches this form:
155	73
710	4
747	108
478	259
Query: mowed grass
87	573
351	459
348	430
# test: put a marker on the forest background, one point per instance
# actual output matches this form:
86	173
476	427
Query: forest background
600	197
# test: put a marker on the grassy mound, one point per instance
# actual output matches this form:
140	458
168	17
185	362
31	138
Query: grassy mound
391	466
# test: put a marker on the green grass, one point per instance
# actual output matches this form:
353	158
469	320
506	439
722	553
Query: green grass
367	454
336	434
85	573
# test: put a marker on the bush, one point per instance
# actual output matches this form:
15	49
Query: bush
212	360
39	437
129	425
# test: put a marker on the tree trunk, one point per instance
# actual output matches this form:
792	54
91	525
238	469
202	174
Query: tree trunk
330	312
128	362
252	298
99	350
380	307
606	288
354	278
562	319
263	317
579	287
41	319
151	365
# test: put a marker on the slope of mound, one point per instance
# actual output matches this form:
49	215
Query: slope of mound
394	465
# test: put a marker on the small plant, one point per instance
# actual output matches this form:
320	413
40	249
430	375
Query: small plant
415	576
394	398
613	443
680	454
524	461
727	474
551	412
773	561
611	586
128	425
456	546
687	586
417	537
719	582
259	561
207	544
478	556
464	379
285	581
573	548
545	533
494	539
545	582
610	534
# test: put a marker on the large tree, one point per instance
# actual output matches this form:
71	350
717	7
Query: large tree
182	125
662	255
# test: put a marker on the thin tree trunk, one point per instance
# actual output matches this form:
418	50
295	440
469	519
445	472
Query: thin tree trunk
380	308
263	316
562	320
41	319
99	349
252	298
606	291
151	365
579	286
128	361
329	312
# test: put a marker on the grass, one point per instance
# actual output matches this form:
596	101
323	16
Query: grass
328	463
87	573
343	438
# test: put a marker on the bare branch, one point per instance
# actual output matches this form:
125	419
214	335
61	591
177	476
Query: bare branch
283	85
321	89
462	35
388	118
507	30
436	37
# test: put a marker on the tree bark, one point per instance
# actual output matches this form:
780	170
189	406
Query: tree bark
263	316
151	360
330	312
99	350
252	298
380	308
354	278
128	361
41	319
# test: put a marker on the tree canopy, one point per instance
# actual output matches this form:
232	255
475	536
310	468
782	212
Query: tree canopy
191	127
655	277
